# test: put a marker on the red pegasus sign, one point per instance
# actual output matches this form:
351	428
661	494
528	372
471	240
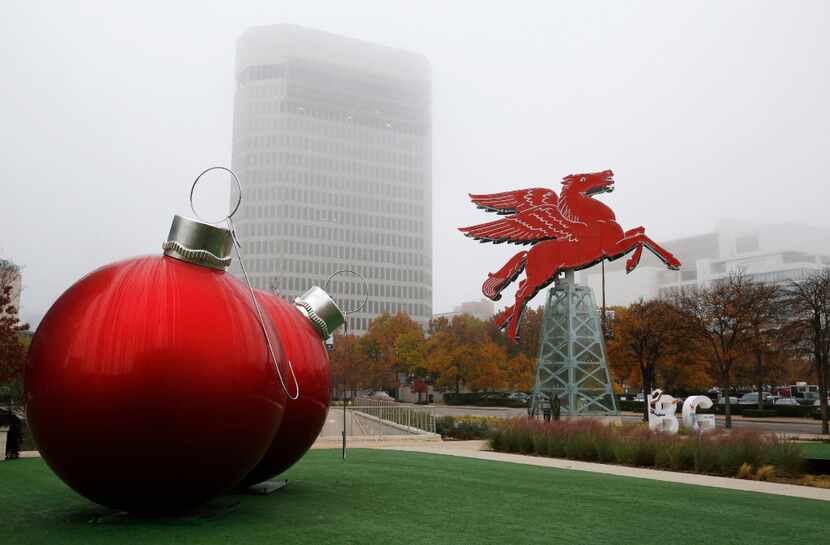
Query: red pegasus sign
570	232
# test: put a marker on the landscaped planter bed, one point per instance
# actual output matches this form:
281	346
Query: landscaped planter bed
720	452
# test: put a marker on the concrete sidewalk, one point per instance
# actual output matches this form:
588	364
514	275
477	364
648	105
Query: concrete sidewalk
474	449
376	441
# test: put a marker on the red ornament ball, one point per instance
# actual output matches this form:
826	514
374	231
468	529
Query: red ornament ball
149	387
305	416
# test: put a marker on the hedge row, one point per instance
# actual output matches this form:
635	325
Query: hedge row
631	406
467	427
482	399
759	413
802	411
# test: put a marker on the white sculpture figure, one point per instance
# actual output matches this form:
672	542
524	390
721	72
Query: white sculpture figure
661	409
692	420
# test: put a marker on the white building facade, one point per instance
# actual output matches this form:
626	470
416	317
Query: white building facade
766	253
332	145
483	309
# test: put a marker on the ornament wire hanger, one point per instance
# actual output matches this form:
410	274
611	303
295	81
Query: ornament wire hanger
237	248
358	308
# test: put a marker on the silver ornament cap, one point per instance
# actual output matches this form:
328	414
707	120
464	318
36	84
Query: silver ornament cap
199	243
321	311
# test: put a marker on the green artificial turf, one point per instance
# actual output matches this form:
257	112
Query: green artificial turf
398	498
816	450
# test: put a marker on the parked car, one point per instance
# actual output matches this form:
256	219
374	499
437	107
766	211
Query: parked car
787	401
732	400
752	398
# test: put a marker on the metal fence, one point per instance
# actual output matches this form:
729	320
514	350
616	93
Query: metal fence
369	417
412	418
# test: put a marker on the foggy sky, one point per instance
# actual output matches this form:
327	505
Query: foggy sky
704	110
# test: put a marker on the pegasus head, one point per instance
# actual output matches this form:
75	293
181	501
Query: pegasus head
589	184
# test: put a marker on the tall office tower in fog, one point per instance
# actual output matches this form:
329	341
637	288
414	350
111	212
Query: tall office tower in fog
332	145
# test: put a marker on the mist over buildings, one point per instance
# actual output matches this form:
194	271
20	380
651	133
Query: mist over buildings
706	111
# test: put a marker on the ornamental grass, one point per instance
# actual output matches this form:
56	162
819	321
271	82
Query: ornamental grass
718	452
467	427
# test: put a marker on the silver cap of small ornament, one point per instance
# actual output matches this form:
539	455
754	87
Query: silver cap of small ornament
321	311
199	243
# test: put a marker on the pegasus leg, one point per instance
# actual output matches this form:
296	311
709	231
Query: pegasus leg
515	319
635	242
634	260
508	316
664	255
527	290
502	318
513	328
499	280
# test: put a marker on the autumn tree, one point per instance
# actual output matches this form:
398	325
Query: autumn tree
381	348
410	348
684	370
449	357
490	371
521	370
420	387
721	318
528	341
765	316
12	351
793	365
348	365
453	349
809	306
622	365
531	331
645	335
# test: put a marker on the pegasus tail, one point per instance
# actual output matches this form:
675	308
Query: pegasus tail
497	281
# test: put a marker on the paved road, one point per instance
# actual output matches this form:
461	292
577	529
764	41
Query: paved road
793	426
788	426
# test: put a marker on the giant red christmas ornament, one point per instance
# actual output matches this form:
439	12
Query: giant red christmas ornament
149	386
301	328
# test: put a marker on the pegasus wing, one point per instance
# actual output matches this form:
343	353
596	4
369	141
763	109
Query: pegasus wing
528	227
511	202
